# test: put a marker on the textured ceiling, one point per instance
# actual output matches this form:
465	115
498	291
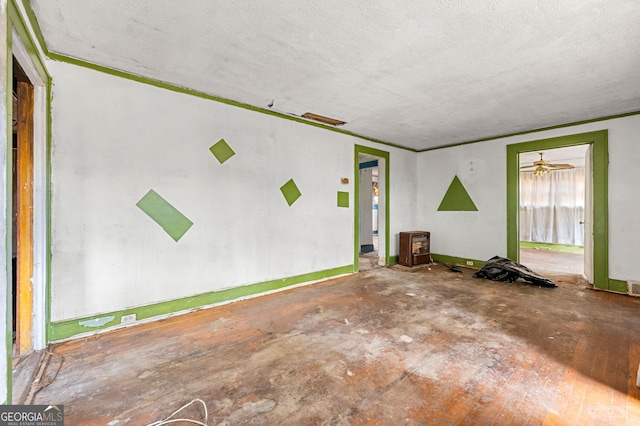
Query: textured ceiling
419	73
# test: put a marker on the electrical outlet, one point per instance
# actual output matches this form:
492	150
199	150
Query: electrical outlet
126	319
469	262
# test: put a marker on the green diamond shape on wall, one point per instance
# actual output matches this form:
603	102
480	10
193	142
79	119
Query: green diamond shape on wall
290	191
222	151
164	214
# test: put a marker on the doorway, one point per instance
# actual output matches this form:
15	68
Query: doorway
598	208
371	236
369	208
553	226
31	84
22	211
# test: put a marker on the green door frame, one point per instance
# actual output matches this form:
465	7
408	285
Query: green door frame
360	149
600	153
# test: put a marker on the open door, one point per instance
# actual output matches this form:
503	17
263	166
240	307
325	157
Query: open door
588	215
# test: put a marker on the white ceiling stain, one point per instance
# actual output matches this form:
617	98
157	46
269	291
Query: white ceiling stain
420	73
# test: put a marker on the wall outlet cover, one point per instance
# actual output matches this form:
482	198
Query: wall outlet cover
469	262
126	319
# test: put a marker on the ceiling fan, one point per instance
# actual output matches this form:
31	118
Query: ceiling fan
543	166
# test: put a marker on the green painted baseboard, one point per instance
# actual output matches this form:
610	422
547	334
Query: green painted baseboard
66	329
617	286
443	258
393	260
548	246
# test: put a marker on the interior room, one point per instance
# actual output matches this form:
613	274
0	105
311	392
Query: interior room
552	209
274	213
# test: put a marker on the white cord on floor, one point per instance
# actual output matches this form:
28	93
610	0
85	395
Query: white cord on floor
168	419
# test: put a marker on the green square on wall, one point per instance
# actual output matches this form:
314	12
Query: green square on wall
222	151
290	191
343	199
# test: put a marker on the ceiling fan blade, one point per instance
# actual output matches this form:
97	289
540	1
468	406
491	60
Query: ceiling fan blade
531	166
561	166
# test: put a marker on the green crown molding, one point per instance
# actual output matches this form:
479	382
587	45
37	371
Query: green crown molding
187	91
31	16
600	154
67	329
15	17
457	199
63	58
180	89
540	129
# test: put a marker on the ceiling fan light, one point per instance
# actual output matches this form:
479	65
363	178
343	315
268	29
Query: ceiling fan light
540	170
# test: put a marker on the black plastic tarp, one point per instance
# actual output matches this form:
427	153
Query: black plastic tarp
500	269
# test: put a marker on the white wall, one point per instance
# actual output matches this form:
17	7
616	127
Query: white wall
5	249
482	169
402	195
114	139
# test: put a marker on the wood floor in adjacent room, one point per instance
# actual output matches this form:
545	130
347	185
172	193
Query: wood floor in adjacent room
389	346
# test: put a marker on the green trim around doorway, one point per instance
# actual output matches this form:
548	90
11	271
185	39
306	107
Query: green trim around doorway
16	20
8	100
599	142
360	149
70	328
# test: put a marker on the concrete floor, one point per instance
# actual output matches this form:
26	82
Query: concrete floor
387	346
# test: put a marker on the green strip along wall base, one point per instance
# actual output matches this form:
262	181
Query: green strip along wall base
67	329
461	261
617	286
549	246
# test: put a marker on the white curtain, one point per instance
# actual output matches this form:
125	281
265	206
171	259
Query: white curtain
552	207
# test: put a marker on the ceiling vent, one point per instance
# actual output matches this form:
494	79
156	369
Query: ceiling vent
323	119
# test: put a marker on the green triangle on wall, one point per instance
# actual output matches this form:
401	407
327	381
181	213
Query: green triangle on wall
457	199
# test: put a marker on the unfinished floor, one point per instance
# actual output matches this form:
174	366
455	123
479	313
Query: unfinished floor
387	346
552	261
